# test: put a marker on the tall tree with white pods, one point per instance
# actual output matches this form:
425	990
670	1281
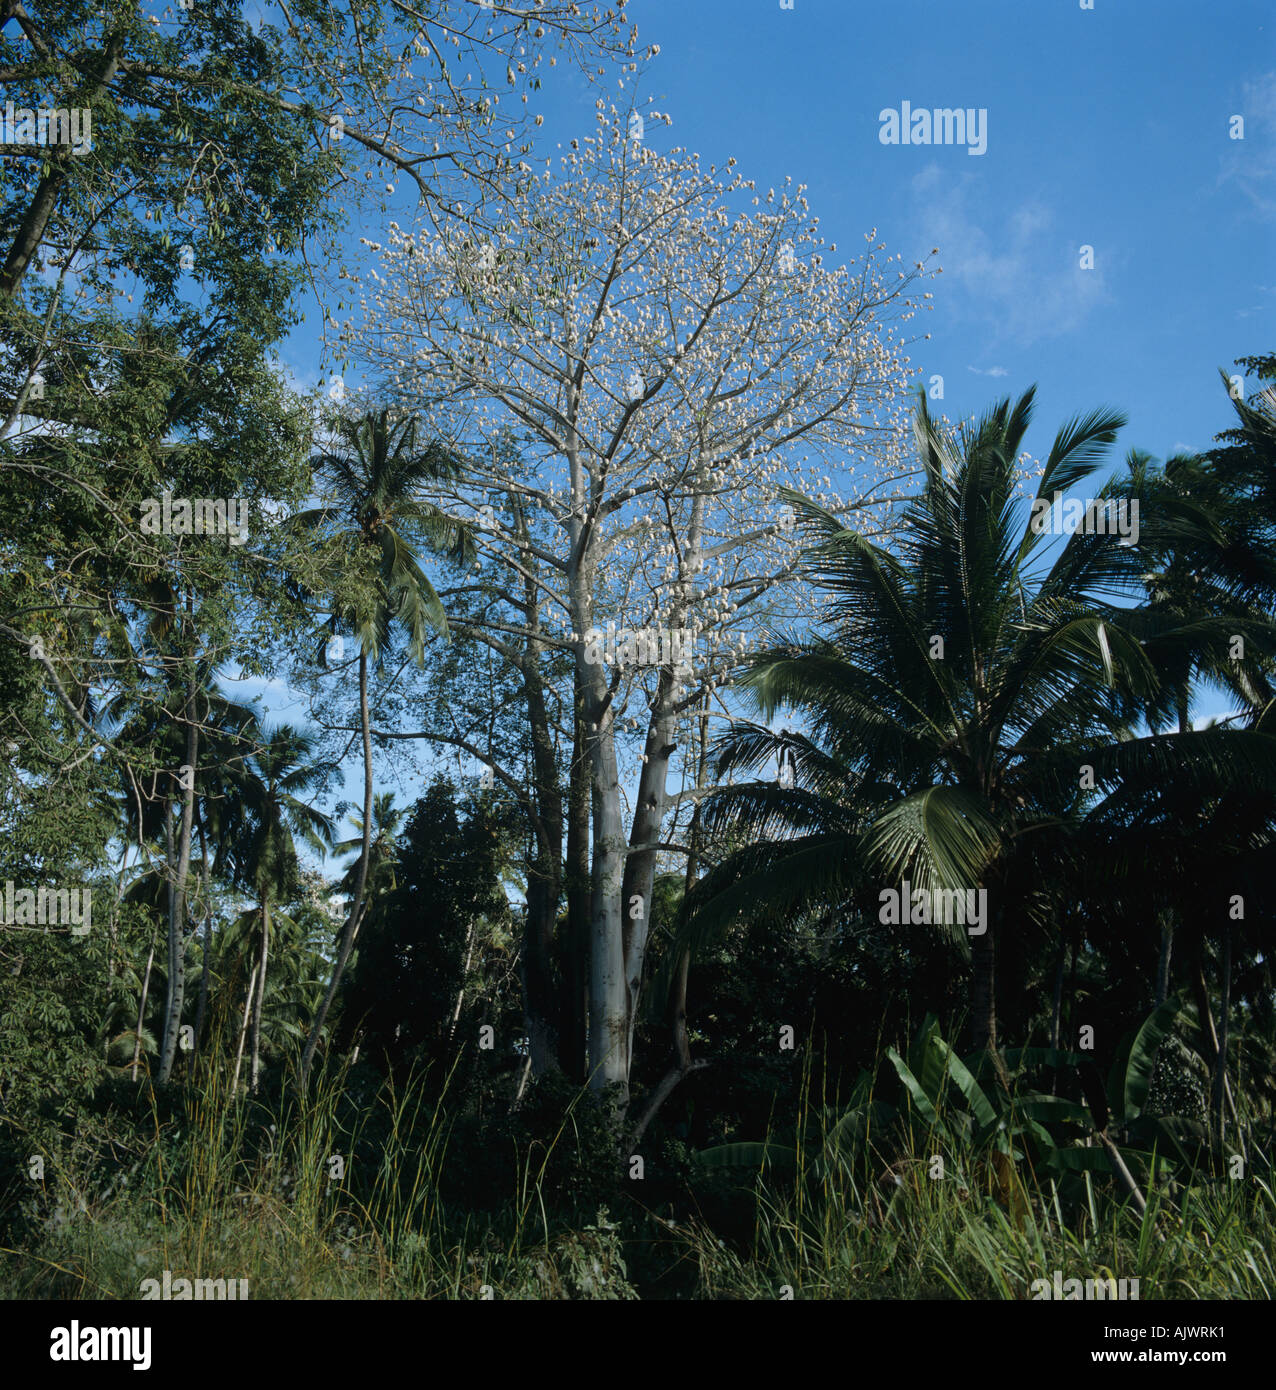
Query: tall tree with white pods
670	348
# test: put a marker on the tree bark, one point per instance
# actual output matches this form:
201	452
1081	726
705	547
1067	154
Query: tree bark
141	1007
678	991
177	903
983	992
1056	1012
36	221
1207	1028
574	967
608	1060
205	967
243	1028
652	799
1163	959
1224	1010
465	975
261	996
540	993
608	987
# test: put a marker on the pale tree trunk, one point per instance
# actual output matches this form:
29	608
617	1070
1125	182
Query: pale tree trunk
678	998
540	996
261	996
608	987
465	975
624	873
608	991
681	1065
243	1028
640	864
205	967
141	1008
574	1014
1211	1035
177	907
652	802
113	946
356	905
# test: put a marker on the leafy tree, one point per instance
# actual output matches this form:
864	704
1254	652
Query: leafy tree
424	940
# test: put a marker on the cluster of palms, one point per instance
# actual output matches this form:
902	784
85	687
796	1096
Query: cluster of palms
1027	752
245	795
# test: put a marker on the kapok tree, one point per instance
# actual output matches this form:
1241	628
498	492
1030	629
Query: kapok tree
672	348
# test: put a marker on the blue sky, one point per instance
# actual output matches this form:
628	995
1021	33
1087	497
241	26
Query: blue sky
1107	127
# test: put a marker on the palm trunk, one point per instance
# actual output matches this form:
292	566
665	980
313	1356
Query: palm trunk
261	995
1163	960
243	1028
1211	1035
1056	1012
202	1007
983	992
141	1007
465	975
177	901
356	906
1225	1007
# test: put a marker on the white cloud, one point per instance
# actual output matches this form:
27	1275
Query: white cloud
1022	274
1251	163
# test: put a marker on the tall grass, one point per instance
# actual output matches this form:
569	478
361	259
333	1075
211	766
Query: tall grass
310	1199
345	1195
986	1229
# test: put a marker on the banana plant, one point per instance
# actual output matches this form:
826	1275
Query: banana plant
960	1106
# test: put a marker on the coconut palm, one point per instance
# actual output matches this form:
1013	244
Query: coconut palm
1210	585
387	821
148	718
276	775
373	516
968	706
